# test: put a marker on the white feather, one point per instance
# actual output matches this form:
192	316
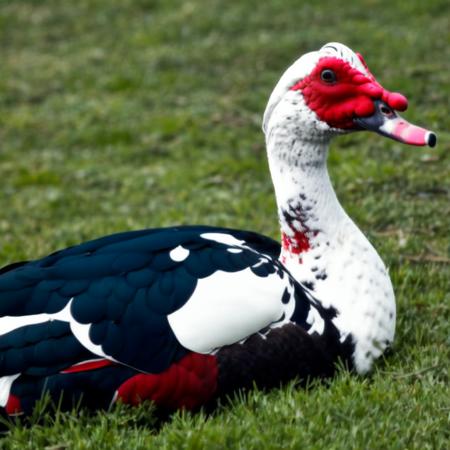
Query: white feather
228	307
79	330
179	253
5	388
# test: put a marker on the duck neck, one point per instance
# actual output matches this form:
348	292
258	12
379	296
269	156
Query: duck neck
309	212
325	251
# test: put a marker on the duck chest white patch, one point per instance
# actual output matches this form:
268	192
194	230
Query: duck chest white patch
227	307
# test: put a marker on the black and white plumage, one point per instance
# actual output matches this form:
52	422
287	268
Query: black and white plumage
183	315
144	300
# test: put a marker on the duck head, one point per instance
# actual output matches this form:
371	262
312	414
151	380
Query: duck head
332	91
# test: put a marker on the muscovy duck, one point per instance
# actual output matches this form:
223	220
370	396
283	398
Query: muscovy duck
181	316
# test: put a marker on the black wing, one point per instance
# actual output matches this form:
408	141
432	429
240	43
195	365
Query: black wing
123	286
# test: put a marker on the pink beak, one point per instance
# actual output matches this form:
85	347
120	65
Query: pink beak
386	122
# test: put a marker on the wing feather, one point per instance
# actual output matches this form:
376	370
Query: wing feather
117	293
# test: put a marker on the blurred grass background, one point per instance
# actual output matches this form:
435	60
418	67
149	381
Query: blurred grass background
128	114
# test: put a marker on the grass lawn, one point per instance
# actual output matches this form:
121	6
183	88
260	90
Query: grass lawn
120	115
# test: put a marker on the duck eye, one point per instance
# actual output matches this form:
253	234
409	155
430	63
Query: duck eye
328	76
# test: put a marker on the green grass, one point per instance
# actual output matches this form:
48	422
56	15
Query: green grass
128	114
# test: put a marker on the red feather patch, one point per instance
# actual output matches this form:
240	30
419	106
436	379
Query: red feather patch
297	244
351	95
189	383
13	406
88	365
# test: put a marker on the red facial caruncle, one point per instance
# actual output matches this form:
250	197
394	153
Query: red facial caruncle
338	92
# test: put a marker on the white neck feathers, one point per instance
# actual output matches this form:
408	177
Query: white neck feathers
322	247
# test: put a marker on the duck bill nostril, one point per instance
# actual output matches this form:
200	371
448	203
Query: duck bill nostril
387	122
